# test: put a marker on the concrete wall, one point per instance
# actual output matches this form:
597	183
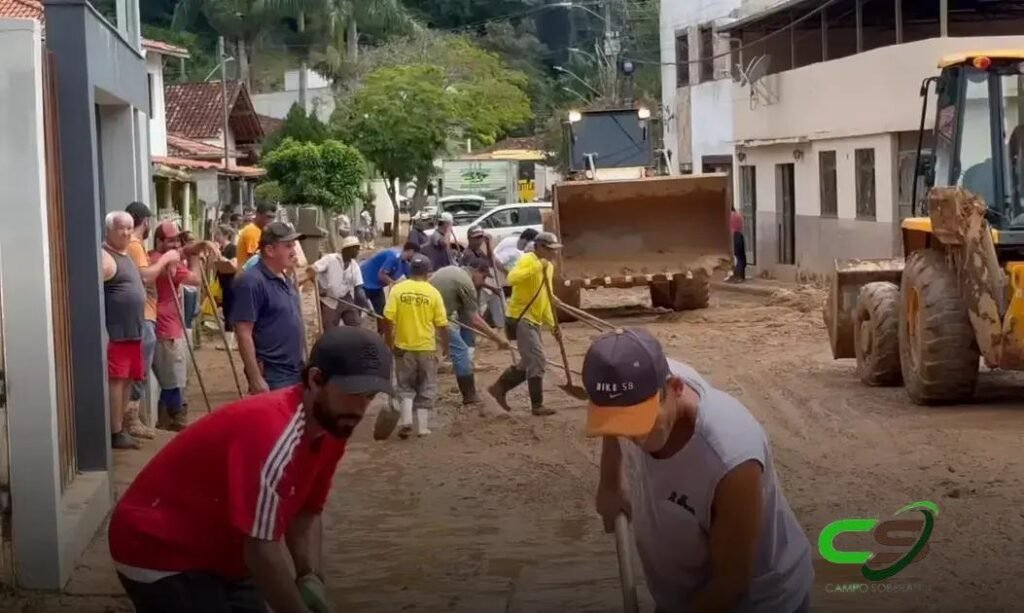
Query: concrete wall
870	93
697	119
277	104
158	111
820	240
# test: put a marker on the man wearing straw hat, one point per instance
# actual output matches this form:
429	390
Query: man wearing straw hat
713	528
340	278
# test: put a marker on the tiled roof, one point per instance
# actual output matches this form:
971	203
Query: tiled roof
185	147
159	46
194	110
22	9
242	171
270	124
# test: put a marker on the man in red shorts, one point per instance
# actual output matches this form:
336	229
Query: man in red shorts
201	528
124	296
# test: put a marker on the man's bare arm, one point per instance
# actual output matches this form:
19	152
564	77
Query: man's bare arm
271	572
152	272
247	348
735	529
304	539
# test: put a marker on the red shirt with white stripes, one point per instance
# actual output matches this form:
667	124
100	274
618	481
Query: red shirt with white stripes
246	470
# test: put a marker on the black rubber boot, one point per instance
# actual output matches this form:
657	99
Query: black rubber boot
467	387
505	383
537	397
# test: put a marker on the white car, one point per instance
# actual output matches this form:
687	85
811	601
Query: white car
506	220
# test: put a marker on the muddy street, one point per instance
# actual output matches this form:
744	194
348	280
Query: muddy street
496	514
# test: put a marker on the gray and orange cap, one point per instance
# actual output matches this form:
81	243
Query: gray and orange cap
623	373
354	359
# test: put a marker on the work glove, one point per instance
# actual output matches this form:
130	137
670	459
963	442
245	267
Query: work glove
314	593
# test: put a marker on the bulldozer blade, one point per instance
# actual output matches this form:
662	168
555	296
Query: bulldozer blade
387	421
850	276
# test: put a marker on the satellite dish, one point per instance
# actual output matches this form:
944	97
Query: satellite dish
755	70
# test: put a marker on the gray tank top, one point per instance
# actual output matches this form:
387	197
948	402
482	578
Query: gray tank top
672	500
124	297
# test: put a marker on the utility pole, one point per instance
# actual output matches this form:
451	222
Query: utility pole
222	56
611	51
303	85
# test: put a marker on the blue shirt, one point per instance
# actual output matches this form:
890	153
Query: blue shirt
388	260
272	305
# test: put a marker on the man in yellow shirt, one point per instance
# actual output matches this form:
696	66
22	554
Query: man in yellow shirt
414	316
249	236
529	309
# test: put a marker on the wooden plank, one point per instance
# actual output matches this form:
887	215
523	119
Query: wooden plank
59	278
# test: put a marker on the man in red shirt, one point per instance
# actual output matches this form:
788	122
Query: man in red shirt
170	355
739	247
200	528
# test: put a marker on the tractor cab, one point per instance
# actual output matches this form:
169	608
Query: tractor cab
979	135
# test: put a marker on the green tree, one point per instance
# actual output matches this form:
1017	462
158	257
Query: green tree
330	175
240	22
400	120
298	126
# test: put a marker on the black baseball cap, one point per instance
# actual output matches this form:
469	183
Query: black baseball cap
528	234
138	211
354	359
420	265
279	232
623	373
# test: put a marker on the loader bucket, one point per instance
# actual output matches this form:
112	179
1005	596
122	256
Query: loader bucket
635	228
841	307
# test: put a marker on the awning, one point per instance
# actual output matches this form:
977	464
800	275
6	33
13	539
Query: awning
744	23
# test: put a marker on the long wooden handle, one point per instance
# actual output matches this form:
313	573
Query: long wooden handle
558	334
220	328
626	576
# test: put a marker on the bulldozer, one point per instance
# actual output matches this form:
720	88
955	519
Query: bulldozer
925	321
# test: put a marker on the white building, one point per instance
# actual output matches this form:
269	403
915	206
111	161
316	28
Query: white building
319	97
825	141
696	84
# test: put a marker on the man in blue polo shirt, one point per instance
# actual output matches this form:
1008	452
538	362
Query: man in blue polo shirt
384	269
267	316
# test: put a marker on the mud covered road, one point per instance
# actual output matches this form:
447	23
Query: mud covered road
496	514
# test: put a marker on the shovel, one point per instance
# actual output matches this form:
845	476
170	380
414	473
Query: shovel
387	419
573	390
625	553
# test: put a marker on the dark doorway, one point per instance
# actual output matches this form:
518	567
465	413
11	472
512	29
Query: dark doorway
785	198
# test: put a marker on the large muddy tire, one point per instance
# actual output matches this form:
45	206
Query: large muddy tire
691	294
876	333
938	353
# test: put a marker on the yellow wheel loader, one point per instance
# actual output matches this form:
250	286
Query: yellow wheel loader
958	293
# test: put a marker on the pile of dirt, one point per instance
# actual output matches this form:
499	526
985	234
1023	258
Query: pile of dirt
805	298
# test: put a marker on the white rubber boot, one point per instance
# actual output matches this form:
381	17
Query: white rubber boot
405	423
422	421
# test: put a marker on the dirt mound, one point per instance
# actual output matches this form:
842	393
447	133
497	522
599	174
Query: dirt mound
805	298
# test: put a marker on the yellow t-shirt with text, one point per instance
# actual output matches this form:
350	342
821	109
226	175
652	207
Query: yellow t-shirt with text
248	243
417	310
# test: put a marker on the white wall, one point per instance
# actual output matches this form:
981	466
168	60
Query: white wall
120	143
277	104
158	111
806	169
703	122
30	413
313	80
711	105
869	93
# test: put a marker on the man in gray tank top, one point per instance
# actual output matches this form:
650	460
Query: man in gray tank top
124	299
695	471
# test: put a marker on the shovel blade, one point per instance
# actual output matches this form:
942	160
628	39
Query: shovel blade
575	391
387	421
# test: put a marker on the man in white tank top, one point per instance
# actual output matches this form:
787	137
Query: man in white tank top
712	526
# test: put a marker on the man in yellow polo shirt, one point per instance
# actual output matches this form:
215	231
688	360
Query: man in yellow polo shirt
529	309
249	236
414	316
